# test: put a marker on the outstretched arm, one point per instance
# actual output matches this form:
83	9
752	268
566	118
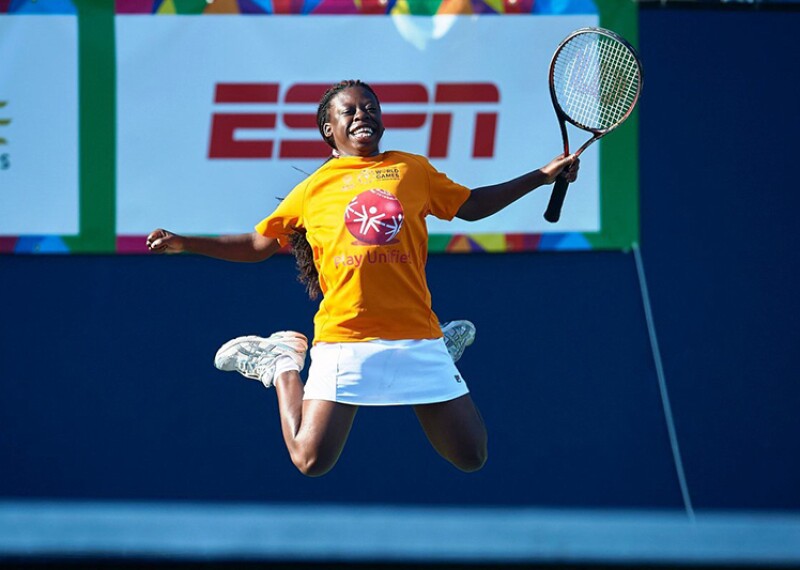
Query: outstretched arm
488	200
241	247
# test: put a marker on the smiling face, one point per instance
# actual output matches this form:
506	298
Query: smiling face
355	122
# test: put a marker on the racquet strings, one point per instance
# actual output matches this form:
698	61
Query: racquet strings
596	81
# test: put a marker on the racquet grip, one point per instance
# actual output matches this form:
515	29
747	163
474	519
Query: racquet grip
553	212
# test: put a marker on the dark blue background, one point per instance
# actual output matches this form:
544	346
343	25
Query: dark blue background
108	389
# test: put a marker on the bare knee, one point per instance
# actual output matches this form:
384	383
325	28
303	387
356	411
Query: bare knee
471	461
310	465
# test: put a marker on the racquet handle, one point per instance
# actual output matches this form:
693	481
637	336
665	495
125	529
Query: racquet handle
553	212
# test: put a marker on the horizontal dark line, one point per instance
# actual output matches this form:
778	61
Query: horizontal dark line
716	6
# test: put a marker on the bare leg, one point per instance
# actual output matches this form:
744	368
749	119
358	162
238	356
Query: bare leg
315	431
456	430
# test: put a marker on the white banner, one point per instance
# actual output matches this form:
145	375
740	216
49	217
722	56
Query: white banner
215	113
39	125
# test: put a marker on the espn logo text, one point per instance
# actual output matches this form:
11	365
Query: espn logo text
296	108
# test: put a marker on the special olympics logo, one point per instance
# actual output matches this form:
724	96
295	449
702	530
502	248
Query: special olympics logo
374	217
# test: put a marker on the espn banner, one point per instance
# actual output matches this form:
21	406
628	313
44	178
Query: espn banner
212	115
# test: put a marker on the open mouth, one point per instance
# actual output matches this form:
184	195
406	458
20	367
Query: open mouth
362	133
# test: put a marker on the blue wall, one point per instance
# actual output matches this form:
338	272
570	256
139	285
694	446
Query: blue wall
107	388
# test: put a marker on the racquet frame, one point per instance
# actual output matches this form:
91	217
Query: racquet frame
553	212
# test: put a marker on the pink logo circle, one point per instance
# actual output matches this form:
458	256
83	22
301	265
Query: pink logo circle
374	217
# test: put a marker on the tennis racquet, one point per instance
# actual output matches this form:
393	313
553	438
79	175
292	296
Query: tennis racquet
595	82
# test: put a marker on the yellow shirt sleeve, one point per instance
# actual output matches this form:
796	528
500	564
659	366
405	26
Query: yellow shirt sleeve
446	196
286	217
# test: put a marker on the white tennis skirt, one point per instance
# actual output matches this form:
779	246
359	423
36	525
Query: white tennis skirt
383	373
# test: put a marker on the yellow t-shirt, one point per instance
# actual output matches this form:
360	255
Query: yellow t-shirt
365	220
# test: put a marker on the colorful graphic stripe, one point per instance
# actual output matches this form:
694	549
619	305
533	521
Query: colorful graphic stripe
439	243
355	7
35	7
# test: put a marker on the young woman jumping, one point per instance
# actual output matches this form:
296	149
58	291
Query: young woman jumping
377	341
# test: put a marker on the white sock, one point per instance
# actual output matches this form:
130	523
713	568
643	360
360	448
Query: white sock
285	363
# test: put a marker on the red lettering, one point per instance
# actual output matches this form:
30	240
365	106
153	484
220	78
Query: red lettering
485	123
440	135
404	120
224	126
467	93
401	92
300	120
223	130
246	93
485	127
305	92
223	143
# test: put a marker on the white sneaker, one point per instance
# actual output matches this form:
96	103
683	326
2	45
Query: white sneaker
458	335
254	356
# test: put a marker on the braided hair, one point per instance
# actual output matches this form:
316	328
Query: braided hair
301	249
304	260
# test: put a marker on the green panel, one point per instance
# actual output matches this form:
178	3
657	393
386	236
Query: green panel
438	243
97	128
190	6
619	151
423	7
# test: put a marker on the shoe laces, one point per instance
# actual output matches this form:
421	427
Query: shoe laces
256	366
457	338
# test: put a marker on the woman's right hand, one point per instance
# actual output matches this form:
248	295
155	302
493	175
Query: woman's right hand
162	241
561	165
